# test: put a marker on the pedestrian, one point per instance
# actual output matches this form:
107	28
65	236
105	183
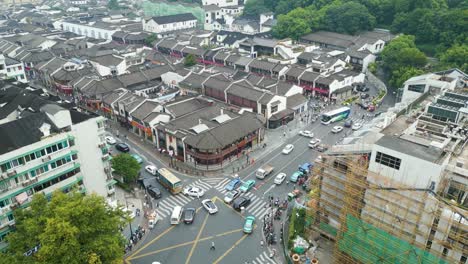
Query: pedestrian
212	246
157	204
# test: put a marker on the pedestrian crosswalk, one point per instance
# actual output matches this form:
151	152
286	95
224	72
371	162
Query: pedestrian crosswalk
220	186
213	181
165	206
258	207
264	258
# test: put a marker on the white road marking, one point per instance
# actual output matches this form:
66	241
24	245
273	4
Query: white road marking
269	189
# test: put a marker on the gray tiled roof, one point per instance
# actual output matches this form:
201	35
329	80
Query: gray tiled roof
107	60
144	110
263	65
226	133
174	18
245	92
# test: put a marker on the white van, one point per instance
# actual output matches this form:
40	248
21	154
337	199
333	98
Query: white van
176	215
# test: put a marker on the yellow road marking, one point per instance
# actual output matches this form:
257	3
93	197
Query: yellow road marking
151	242
230	249
197	239
185	244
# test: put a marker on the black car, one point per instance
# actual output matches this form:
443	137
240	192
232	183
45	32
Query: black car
240	202
321	148
189	215
154	192
348	123
362	88
122	147
365	95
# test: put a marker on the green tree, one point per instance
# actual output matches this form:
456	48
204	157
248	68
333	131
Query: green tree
190	60
402	52
126	166
150	39
350	17
253	8
456	57
113	5
400	75
71	228
293	25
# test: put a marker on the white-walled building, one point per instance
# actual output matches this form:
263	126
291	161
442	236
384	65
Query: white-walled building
435	82
44	148
220	3
169	23
97	30
11	68
109	65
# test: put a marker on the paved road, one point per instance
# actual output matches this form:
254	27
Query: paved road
190	243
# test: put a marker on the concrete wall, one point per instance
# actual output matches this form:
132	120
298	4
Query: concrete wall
87	139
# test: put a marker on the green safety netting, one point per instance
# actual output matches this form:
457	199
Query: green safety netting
165	9
369	244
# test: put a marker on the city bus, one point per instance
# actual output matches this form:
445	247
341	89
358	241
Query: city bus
169	180
335	115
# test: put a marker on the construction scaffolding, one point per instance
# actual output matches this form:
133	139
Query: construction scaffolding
376	220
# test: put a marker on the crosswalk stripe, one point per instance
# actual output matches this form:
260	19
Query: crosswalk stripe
170	203
249	195
185	198
180	199
164	207
176	200
261	257
224	191
256	210
223	182
162	214
206	185
263	214
270	260
254	205
201	186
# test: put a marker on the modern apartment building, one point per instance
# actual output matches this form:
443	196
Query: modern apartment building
45	147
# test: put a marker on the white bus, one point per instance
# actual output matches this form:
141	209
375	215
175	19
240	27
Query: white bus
335	115
176	215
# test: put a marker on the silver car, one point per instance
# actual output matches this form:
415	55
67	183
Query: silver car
230	196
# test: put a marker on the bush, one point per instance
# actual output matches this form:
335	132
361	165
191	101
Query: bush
292	232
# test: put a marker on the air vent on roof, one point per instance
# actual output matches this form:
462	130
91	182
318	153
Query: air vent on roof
460	164
200	128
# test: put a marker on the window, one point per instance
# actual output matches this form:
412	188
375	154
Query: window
274	109
388	160
8	69
20	68
419	88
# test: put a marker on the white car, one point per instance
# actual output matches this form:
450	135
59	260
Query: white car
314	143
288	149
209	206
337	129
194	191
280	178
151	169
356	126
231	196
306	133
110	140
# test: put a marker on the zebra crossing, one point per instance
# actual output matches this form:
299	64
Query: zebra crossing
214	181
257	207
165	206
263	258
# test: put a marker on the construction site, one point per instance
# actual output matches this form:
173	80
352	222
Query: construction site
397	194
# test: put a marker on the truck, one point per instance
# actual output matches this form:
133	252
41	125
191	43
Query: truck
264	171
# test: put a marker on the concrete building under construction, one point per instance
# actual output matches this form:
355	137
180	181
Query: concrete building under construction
399	194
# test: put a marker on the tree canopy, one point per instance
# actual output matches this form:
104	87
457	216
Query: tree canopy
190	60
294	24
253	8
350	17
126	166
71	228
150	39
455	57
402	59
113	5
